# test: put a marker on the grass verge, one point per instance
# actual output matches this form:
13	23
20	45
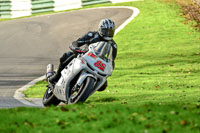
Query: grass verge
154	88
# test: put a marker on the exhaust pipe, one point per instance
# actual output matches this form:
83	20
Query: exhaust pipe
50	71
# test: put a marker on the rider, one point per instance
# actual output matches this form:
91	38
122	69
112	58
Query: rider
105	32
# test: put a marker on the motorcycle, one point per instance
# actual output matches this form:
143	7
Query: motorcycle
83	76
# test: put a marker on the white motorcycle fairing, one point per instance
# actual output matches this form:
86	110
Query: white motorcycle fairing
83	65
84	75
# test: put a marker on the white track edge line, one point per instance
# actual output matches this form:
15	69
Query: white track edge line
19	95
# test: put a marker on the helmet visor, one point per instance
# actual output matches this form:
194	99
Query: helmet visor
107	32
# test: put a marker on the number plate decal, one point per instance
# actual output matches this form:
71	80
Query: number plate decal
100	65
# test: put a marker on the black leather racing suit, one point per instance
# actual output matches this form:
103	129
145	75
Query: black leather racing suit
82	43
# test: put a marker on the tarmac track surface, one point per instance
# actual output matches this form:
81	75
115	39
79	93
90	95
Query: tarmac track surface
28	45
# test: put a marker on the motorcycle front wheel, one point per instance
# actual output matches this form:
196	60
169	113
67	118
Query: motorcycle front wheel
49	98
82	92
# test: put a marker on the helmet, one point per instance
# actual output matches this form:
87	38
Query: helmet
106	29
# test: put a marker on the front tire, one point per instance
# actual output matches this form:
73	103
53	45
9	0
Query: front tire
49	98
83	92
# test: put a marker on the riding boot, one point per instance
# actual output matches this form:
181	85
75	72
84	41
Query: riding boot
54	79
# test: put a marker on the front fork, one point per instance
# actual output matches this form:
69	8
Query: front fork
83	76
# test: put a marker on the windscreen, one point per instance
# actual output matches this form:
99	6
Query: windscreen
104	51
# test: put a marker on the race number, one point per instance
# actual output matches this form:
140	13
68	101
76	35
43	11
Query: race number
100	65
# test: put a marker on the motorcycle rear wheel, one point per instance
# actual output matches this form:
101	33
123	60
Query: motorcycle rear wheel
83	92
49	98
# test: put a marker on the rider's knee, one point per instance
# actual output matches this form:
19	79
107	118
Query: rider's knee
65	56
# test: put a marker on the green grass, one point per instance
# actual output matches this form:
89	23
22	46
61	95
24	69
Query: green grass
4	19
155	86
105	117
37	90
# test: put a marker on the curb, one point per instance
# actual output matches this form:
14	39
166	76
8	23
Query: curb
19	95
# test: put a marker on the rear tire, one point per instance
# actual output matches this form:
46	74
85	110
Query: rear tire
49	98
85	89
